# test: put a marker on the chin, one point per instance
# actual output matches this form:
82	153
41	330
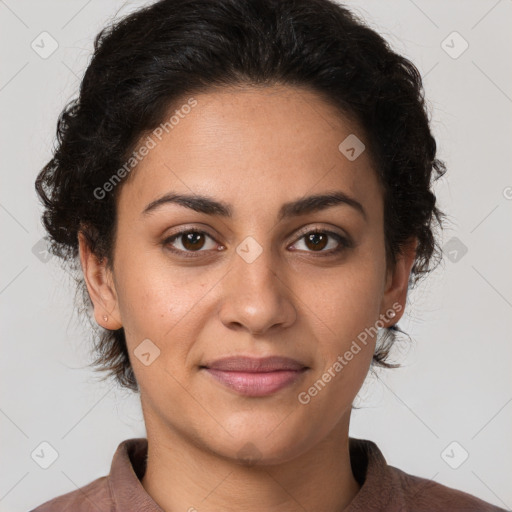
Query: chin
258	448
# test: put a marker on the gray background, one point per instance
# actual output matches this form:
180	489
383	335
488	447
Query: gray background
456	381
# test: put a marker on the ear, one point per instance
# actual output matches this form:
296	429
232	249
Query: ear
100	286
397	283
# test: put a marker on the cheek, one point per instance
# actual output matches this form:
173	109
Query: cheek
344	318
347	299
160	303
152	293
344	310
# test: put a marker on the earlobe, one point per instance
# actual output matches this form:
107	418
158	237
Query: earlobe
397	283
100	286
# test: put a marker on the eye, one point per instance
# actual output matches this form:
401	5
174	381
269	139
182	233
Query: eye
187	242
317	240
190	241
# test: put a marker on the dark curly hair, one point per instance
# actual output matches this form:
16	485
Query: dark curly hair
154	57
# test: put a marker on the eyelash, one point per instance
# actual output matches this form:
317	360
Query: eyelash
344	243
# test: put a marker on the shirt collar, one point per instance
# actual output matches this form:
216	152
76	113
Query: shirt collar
378	483
128	467
368	465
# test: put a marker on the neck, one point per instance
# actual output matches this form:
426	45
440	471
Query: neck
181	476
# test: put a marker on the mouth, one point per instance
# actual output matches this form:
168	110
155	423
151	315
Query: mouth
255	377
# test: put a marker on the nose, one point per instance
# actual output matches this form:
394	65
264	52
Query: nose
256	296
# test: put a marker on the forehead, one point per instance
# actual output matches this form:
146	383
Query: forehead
256	145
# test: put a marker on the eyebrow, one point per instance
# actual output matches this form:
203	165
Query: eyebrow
210	206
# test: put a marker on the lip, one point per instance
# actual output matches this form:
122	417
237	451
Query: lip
255	376
255	364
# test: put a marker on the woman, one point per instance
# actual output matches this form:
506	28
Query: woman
247	185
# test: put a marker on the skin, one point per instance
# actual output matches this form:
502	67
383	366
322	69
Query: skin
255	149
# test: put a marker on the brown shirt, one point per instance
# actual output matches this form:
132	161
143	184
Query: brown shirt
383	487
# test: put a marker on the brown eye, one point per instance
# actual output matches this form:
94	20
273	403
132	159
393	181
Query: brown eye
317	240
190	241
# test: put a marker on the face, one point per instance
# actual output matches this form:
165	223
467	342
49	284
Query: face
243	272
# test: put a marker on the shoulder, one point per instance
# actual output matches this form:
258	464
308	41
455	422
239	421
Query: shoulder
387	488
421	494
119	490
89	498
